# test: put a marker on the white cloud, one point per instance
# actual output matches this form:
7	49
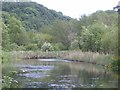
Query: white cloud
76	8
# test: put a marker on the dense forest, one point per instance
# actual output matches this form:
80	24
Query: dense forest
31	26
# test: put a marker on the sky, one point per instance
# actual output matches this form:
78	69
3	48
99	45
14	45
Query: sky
77	8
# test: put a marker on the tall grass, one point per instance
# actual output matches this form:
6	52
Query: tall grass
89	57
70	55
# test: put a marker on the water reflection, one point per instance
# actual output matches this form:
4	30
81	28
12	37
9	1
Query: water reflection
60	74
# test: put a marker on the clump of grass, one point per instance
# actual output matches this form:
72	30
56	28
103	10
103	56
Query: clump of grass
9	82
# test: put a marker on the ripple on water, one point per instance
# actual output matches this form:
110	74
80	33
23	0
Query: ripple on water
34	67
36	84
62	85
33	75
37	68
30	68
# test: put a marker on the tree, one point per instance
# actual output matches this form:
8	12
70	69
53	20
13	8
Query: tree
5	37
17	32
109	41
63	32
91	37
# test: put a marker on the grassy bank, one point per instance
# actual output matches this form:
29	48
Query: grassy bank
88	57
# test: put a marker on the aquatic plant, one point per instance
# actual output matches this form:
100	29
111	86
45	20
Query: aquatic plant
9	82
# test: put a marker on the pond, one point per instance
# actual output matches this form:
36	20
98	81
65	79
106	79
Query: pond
57	73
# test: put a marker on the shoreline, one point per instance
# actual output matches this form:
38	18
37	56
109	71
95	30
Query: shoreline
73	56
71	60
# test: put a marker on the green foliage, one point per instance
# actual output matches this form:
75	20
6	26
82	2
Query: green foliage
5	38
91	37
31	47
58	46
47	47
13	46
41	37
114	65
5	57
99	32
22	48
63	32
31	14
74	45
22	21
17	32
28	26
109	42
9	82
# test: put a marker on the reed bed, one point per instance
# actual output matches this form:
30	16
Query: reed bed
92	57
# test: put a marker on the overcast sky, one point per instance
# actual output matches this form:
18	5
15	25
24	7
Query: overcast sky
76	8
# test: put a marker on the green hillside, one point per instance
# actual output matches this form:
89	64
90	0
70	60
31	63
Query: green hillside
32	15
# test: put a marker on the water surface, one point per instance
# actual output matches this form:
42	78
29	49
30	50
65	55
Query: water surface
57	73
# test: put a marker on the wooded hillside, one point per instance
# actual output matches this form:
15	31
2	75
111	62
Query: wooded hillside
31	26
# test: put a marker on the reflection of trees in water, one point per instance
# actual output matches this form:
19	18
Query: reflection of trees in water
61	70
87	67
84	75
96	79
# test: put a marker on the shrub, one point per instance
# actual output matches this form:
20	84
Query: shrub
31	47
47	47
13	47
59	46
21	48
114	65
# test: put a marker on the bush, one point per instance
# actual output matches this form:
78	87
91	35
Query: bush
59	46
47	47
31	47
115	65
13	47
9	82
21	48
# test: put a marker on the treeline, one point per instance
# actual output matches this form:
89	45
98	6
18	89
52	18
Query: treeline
96	32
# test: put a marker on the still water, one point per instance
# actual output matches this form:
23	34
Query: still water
57	73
